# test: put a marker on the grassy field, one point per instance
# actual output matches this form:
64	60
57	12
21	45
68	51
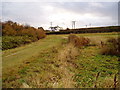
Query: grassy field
47	63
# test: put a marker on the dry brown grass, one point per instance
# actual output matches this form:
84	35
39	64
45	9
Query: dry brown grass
68	53
109	83
111	47
78	41
96	41
66	57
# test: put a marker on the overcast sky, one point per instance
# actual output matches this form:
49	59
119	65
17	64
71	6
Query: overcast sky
40	14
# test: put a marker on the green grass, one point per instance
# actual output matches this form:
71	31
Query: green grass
90	63
9	42
37	64
15	56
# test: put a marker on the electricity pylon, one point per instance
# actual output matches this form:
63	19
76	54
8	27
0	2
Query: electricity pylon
73	24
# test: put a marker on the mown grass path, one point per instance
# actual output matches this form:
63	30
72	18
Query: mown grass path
14	57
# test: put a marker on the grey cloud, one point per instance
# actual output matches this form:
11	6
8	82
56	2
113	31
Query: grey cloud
108	8
100	9
34	13
24	12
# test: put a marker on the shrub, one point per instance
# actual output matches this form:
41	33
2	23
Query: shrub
15	34
9	42
40	33
111	47
10	28
29	33
78	41
85	41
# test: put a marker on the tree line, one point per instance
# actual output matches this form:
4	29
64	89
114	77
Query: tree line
88	30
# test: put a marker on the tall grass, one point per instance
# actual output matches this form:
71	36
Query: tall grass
111	47
78	41
68	53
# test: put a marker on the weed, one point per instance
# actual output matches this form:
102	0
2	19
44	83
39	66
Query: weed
111	47
23	71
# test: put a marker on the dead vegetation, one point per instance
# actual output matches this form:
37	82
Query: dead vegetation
68	53
66	58
111	47
78	41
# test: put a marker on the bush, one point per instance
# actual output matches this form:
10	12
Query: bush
78	41
9	42
111	47
10	28
15	35
28	32
40	34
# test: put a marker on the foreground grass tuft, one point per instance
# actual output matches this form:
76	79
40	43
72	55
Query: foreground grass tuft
111	47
